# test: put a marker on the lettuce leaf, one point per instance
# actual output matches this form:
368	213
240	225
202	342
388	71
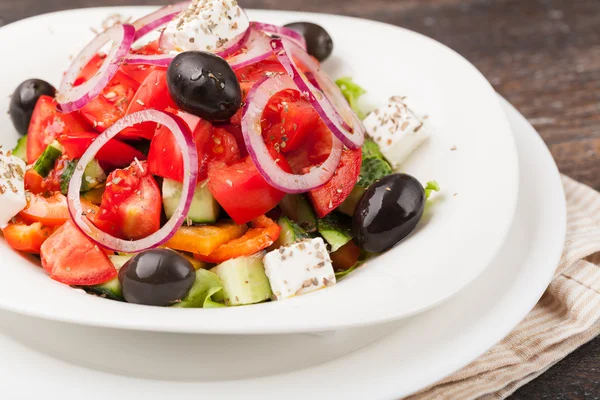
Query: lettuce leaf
351	92
205	293
431	186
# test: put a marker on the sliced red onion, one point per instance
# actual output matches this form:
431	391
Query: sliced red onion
237	44
322	101
257	100
183	136
280	31
257	48
158	19
160	60
71	98
313	81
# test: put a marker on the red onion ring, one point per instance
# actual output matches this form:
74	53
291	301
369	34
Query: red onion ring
257	100
280	31
238	44
183	136
160	60
313	81
158	19
257	48
72	98
322	101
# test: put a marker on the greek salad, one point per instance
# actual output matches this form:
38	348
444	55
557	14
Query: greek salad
195	158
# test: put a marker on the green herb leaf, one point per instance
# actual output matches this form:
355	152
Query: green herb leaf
430	187
351	92
343	274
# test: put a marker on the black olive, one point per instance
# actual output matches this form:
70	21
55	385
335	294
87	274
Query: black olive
23	101
318	42
157	277
388	211
204	84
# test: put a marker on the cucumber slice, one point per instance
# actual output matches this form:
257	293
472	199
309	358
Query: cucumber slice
349	205
204	293
112	288
290	233
20	149
297	208
94	196
93	176
204	208
45	163
244	280
335	229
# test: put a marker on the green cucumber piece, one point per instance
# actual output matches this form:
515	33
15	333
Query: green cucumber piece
371	149
297	208
45	163
20	149
204	208
290	233
371	170
66	175
349	205
244	280
335	229
205	291
112	288
93	176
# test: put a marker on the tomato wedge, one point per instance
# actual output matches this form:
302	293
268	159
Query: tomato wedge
263	232
326	198
33	181
131	204
51	210
114	153
26	238
141	72
205	239
110	105
71	258
47	123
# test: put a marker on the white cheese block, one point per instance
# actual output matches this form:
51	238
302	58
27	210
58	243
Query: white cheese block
12	187
300	268
396	129
206	25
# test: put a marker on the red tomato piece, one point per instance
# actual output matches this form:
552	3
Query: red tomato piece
114	153
110	105
71	258
47	123
26	238
131	204
263	232
312	152
51	210
241	190
140	72
153	93
90	69
33	181
51	182
326	198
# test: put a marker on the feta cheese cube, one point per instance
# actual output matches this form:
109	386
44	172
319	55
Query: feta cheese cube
206	25
300	268
396	129
12	187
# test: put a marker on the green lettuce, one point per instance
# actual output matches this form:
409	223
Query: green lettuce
351	92
205	293
432	186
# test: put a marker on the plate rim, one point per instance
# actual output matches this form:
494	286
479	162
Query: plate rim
253	328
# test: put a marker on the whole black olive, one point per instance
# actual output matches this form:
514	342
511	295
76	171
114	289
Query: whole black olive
318	42
157	277
204	84
23	101
388	211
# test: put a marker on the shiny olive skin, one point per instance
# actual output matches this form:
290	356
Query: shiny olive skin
318	42
204	84
157	277
388	211
23	101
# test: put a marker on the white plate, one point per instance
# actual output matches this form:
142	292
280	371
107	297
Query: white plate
419	352
455	242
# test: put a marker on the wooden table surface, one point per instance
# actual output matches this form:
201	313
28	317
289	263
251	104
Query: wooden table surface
542	55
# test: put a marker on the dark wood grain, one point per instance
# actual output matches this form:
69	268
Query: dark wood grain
542	55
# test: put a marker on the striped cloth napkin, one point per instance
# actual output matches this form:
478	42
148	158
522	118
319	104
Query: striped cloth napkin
566	317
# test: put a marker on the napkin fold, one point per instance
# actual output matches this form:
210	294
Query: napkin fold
566	317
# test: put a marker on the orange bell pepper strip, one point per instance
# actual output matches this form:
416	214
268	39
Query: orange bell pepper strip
27	238
263	232
205	239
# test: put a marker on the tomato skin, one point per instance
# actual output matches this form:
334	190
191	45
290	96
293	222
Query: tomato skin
26	238
69	257
50	211
263	232
241	190
33	182
110	105
131	204
152	93
114	153
326	198
47	123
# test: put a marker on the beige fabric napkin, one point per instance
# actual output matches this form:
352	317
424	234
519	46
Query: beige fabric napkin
566	317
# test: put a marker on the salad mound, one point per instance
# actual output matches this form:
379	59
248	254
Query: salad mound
195	158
